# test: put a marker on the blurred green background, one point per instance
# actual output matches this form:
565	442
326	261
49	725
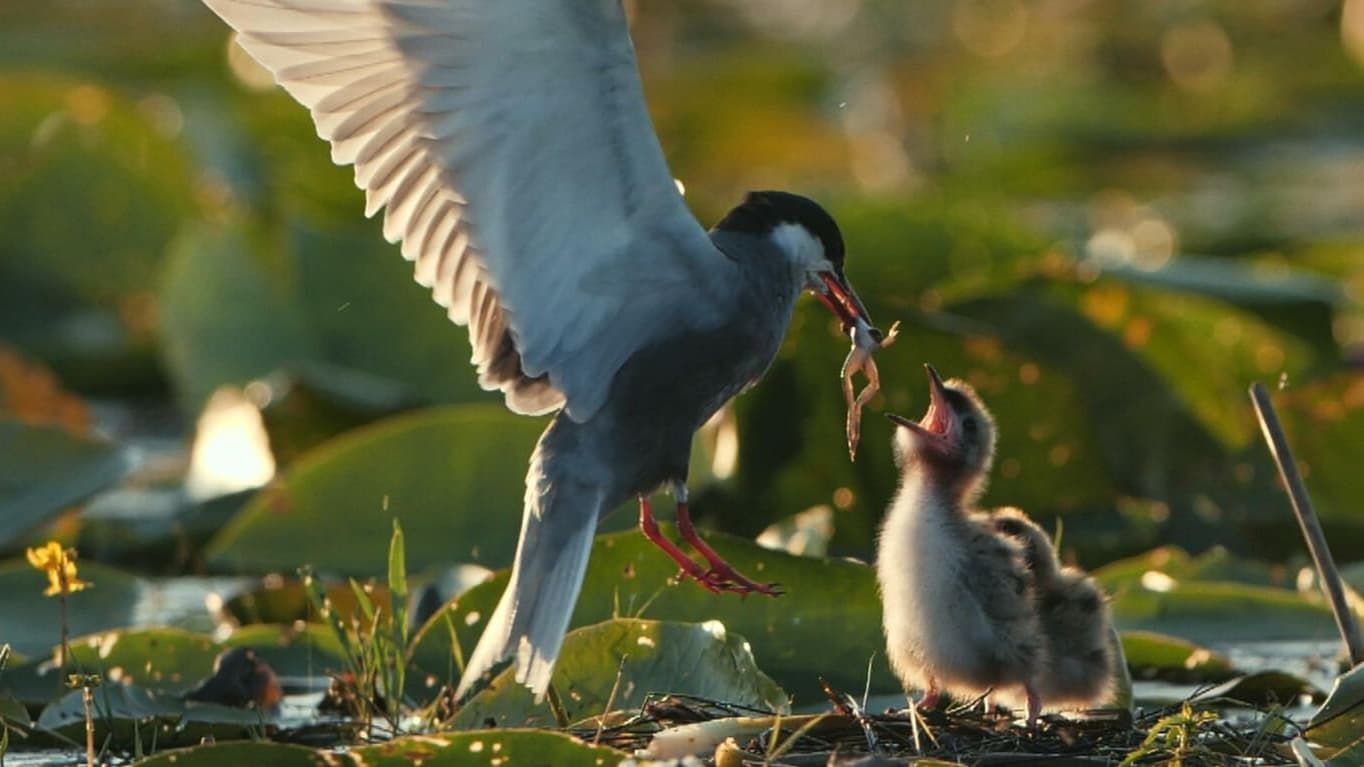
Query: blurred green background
1110	217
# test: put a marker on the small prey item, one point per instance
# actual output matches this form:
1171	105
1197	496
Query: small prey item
866	340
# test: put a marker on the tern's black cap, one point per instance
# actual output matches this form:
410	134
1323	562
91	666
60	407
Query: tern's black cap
761	212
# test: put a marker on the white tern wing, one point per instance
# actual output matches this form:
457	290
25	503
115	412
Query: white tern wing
509	145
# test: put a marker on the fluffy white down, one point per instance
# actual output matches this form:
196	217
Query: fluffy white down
937	631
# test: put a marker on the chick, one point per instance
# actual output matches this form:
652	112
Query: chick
959	610
1077	669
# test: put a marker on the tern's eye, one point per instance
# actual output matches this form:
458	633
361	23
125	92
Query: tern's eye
969	425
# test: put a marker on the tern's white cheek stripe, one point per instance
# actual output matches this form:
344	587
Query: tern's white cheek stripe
801	247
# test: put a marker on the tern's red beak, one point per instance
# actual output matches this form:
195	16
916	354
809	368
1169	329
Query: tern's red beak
840	299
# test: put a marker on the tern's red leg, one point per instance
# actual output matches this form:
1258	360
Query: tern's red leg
649	526
720	570
929	701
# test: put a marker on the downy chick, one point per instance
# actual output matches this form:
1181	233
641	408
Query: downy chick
1077	669
958	604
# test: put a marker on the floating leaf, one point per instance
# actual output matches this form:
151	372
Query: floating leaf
1212	611
454	476
314	402
1262	688
631	659
173	661
468	749
1340	720
229	314
44	469
285	601
32	621
93	192
1215	564
237	754
827	624
1158	656
126	714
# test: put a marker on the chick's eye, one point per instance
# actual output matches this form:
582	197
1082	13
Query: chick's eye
968	425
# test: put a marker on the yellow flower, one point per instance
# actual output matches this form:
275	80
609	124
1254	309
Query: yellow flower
60	566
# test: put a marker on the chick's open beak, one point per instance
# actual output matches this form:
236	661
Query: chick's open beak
934	430
840	299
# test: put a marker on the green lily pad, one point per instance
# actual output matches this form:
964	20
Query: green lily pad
45	469
629	659
33	622
1340	720
827	624
805	534
1215	564
1046	458
1212	611
1159	656
454	476
287	600
13	712
86	169
1262	688
173	661
467	749
1234	281
236	754
128	714
228	313
313	402
135	526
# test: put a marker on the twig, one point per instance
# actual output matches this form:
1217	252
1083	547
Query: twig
1307	519
89	701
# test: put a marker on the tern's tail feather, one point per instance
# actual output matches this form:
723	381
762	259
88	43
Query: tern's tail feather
551	557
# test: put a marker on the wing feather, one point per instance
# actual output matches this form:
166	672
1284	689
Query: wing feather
509	145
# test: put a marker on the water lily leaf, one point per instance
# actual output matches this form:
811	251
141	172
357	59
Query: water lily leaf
363	306
173	661
13	712
126	714
827	624
454	476
1151	655
77	151
1215	564
1233	280
1350	756
1047	460
1323	421
236	754
314	651
312	402
1340	720
32	621
1207	611
167	660
646	657
44	469
805	534
468	749
228	313
1262	688
134	525
286	601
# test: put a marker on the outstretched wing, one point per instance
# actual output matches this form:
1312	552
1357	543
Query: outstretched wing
508	143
